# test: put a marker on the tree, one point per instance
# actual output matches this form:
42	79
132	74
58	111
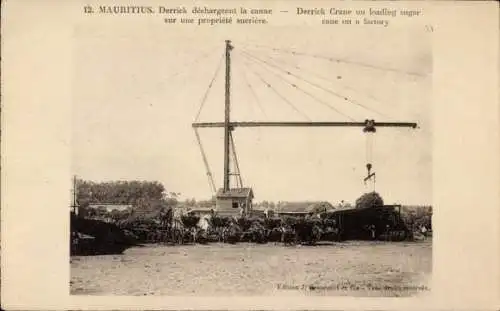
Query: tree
121	192
171	202
321	207
207	203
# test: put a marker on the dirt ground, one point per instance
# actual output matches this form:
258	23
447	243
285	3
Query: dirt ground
341	269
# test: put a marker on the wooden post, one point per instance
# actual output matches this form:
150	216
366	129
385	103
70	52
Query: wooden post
227	119
74	203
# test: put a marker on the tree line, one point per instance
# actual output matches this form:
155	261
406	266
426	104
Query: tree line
137	193
152	195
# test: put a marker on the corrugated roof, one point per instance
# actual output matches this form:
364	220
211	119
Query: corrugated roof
293	213
300	207
347	210
294	207
110	206
235	193
201	210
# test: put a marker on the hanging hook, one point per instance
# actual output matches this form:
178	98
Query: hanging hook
370	177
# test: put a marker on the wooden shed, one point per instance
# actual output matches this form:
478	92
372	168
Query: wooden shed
234	202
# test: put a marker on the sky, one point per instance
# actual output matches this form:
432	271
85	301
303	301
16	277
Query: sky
137	88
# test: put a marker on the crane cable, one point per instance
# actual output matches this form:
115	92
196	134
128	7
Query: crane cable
369	157
369	131
344	60
198	139
237	173
204	99
260	62
211	181
288	102
330	82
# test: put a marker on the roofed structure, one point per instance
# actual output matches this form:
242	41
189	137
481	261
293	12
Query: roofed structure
354	222
201	211
303	208
235	193
234	202
110	206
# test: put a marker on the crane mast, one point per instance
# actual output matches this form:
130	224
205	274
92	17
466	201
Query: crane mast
227	117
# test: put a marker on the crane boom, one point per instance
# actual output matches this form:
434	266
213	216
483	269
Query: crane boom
303	124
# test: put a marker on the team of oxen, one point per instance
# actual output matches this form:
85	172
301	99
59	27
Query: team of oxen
214	229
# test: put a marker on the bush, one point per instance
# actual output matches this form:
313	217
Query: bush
370	199
417	216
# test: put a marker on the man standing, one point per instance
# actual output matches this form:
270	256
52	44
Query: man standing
423	229
242	210
372	230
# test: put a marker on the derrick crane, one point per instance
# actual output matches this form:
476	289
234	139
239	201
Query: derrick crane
368	126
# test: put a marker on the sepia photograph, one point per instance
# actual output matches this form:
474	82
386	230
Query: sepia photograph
250	155
277	162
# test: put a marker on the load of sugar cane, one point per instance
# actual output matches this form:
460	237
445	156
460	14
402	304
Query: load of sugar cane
371	199
219	221
190	220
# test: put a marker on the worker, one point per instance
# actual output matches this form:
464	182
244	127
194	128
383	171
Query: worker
372	229
75	237
423	229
